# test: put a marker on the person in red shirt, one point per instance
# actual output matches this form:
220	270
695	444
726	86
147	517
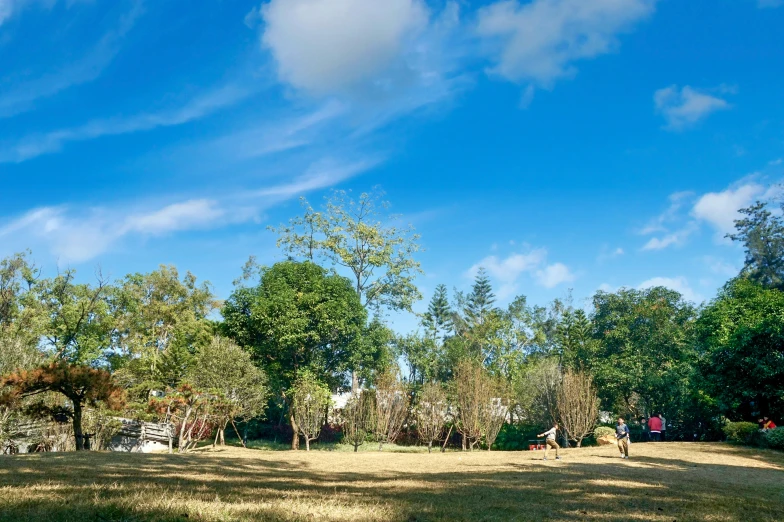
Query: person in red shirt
768	424
655	426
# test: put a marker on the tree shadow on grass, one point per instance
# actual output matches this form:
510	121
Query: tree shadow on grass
214	486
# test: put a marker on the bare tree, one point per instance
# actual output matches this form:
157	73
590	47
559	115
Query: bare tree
474	391
359	418
431	413
578	405
309	399
391	409
494	413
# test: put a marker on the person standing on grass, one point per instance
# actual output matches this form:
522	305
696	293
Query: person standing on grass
550	441
663	427
654	425
622	436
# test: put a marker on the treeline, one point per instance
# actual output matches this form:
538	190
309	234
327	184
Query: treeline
160	346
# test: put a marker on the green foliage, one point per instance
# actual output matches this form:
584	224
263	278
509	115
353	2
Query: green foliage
309	400
644	356
775	438
603	431
299	317
740	337
740	432
762	235
438	318
515	437
352	234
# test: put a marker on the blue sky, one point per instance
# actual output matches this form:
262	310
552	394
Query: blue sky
558	143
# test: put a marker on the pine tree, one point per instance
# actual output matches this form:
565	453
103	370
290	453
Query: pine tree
438	317
480	300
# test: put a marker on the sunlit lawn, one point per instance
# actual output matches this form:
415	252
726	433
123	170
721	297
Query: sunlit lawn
667	482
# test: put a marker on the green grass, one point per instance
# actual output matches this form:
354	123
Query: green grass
661	482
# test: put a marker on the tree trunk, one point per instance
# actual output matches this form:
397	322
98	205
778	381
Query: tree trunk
77	424
307	443
242	440
430	447
222	436
356	448
354	382
464	442
295	428
181	439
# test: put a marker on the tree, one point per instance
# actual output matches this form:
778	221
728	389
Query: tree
438	318
239	388
578	405
81	385
78	325
299	317
189	409
309	400
473	394
21	314
351	234
161	322
431	413
762	234
423	356
740	339
391	408
359	418
644	355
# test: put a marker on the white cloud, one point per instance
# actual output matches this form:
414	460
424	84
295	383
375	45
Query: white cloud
554	275
672	239
683	108
720	209
78	71
721	267
661	222
199	107
679	284
763	4
510	269
324	46
538	42
75	235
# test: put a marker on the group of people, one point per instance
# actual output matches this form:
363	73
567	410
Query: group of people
621	436
656	427
766	424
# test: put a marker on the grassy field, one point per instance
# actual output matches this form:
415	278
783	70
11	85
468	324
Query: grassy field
664	482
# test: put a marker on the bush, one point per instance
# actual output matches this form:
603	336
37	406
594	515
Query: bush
515	437
740	432
603	431
775	438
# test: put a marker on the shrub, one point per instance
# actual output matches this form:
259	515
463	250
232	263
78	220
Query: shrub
603	431
515	437
740	432
775	438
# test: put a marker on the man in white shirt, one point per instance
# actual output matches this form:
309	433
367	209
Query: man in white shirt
550	441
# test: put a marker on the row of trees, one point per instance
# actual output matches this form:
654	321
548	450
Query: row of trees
295	332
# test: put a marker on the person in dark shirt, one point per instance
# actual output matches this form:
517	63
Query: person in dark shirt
622	435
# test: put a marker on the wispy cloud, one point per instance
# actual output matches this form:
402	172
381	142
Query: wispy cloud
199	107
720	209
685	107
539	42
675	238
767	4
22	96
76	235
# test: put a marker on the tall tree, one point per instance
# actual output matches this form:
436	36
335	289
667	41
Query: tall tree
762	234
645	352
78	325
740	337
480	301
352	234
299	317
438	318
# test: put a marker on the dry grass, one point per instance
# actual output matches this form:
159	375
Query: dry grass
663	482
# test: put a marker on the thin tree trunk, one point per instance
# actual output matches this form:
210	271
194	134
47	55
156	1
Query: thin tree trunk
217	434
430	446
307	443
446	440
242	441
77	424
295	428
222	437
